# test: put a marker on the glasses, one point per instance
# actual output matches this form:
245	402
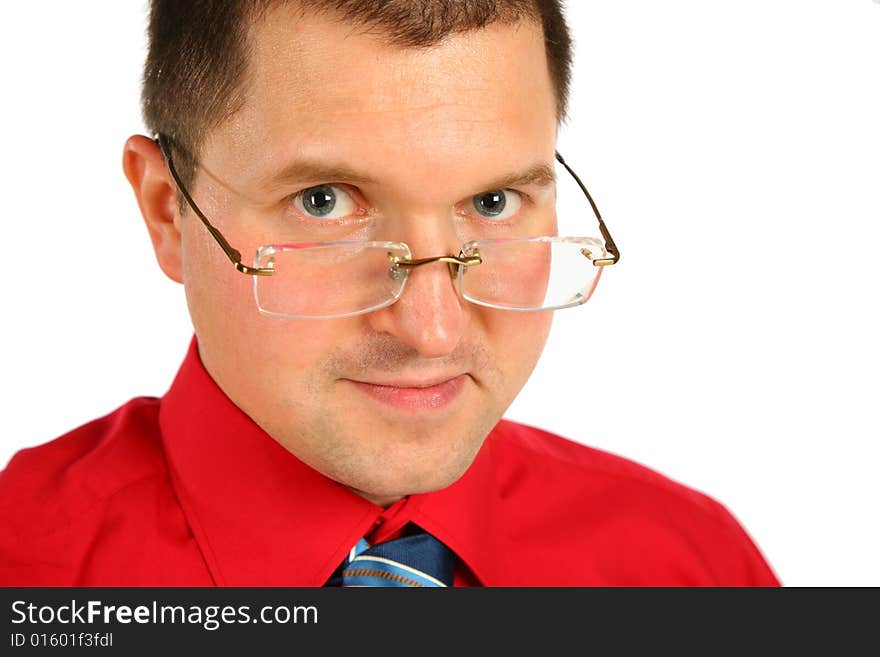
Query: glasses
324	280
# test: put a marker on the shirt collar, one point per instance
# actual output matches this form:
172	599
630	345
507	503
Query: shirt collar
262	517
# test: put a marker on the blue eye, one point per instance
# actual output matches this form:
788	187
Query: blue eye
321	201
497	204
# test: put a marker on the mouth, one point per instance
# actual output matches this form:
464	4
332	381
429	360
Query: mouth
422	396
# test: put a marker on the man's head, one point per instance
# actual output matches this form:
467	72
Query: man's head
430	101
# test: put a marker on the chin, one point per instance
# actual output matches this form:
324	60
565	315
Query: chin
393	483
387	496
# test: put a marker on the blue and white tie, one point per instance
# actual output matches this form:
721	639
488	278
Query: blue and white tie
418	560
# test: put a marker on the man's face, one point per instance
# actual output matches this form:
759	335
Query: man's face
432	128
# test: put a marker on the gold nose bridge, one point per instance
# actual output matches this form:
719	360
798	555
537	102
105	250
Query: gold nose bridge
454	262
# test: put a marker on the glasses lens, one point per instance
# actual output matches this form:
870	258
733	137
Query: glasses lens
329	280
543	273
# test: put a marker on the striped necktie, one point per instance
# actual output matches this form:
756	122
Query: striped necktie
417	560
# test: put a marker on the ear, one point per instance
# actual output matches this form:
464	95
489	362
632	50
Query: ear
156	195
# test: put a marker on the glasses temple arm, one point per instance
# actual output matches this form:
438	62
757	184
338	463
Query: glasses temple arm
232	253
610	246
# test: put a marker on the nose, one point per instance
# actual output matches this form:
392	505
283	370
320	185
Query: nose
430	315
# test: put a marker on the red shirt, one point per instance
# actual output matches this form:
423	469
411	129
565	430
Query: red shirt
187	490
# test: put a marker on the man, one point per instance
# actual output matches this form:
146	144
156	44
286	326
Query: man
337	420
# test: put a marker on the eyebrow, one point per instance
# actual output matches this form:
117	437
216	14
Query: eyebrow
538	175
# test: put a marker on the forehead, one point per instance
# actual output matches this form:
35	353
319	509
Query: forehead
318	87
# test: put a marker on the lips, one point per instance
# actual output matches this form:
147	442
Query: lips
411	395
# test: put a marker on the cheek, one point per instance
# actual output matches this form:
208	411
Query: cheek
217	295
516	341
250	353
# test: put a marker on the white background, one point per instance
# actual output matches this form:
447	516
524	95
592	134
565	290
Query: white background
734	150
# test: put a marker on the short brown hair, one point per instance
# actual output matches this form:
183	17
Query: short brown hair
197	52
